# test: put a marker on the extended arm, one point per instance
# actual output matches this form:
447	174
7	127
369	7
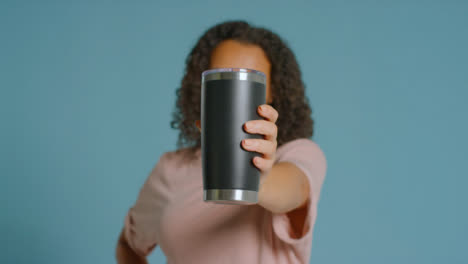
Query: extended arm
285	188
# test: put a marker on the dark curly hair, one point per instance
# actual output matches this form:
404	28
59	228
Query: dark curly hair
287	87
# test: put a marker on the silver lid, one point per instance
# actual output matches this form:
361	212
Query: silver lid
242	74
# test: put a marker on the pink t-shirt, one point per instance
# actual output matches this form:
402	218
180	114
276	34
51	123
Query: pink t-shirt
170	212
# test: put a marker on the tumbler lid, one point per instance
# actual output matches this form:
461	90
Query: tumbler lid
232	70
234	74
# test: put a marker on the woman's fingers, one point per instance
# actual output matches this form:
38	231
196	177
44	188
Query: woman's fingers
265	147
268	112
263	164
262	127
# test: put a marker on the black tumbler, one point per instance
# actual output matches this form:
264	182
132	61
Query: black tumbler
229	98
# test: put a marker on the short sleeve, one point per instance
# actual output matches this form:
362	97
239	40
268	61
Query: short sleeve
308	157
141	221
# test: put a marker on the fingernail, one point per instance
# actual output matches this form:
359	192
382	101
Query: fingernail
260	108
247	142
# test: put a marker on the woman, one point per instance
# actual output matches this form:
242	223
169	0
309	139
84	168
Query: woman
170	211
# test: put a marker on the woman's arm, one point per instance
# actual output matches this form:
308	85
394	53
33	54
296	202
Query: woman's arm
285	188
125	254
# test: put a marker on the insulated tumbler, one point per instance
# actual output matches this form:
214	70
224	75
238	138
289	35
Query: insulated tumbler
229	98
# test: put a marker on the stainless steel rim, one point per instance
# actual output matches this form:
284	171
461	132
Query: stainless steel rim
242	76
230	196
210	71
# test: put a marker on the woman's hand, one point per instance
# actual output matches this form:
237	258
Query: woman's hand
265	146
285	187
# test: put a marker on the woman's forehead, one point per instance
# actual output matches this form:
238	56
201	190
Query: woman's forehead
234	54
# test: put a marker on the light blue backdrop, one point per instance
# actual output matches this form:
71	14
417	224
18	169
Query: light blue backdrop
87	91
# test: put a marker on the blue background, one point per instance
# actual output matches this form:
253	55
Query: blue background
87	91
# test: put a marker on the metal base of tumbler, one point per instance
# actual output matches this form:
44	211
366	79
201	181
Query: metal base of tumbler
230	196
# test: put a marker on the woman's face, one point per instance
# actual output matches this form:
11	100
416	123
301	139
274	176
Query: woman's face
234	54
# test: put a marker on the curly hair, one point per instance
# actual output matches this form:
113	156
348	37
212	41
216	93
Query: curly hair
287	87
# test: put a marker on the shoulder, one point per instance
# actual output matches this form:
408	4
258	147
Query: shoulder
305	154
305	142
168	164
178	157
304	147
